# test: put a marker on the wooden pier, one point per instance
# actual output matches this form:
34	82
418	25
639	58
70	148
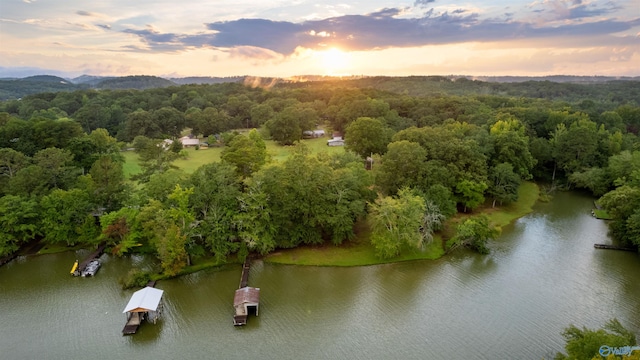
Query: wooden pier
246	299
614	247
80	270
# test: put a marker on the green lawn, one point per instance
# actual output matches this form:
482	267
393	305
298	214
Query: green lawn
131	165
204	156
527	196
602	214
358	252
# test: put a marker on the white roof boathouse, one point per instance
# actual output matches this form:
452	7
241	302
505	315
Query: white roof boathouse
144	304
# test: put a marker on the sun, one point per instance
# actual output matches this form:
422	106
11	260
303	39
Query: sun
334	61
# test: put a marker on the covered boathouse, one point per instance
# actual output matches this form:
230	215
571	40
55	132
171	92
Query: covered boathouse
246	301
144	304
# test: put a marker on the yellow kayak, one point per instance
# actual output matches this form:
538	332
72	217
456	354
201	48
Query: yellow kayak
75	266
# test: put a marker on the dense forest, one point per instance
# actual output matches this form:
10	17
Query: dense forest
439	147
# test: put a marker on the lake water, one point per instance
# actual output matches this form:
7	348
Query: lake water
542	275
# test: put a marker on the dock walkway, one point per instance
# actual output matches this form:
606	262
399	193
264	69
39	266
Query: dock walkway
614	247
246	299
93	256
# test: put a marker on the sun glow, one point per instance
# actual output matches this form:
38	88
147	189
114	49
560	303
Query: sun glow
335	61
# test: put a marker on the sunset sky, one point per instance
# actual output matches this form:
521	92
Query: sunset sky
298	37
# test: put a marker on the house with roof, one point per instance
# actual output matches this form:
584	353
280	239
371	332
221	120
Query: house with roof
188	141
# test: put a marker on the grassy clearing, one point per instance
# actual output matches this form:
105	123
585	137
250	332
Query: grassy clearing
602	214
131	165
527	195
197	158
360	252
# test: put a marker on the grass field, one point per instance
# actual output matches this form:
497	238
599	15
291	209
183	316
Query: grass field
358	252
197	158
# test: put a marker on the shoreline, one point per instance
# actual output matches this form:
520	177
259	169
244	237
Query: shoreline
361	253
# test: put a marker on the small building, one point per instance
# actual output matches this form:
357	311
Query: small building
166	143
144	304
335	141
318	133
313	134
188	141
246	301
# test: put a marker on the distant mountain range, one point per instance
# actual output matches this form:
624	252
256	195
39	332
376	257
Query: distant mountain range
15	88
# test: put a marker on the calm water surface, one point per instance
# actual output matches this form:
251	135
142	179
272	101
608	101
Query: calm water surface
542	275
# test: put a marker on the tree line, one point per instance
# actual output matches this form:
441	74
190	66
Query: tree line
62	179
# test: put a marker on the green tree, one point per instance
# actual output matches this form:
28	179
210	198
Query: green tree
140	123
473	233
576	147
64	216
432	220
366	136
254	221
160	185
470	193
19	222
260	114
107	183
55	133
287	126
305	199
210	121
122	229
172	250
587	344
402	166
442	197
51	169
167	228
11	161
215	202
169	121
623	205
504	184
396	223
511	145
246	153
595	179
154	158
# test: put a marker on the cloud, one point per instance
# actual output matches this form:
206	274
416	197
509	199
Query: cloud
86	13
423	3
378	30
574	9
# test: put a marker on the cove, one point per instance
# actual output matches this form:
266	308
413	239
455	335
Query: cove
542	275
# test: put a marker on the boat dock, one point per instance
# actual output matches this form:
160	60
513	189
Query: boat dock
246	300
90	265
614	247
144	304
